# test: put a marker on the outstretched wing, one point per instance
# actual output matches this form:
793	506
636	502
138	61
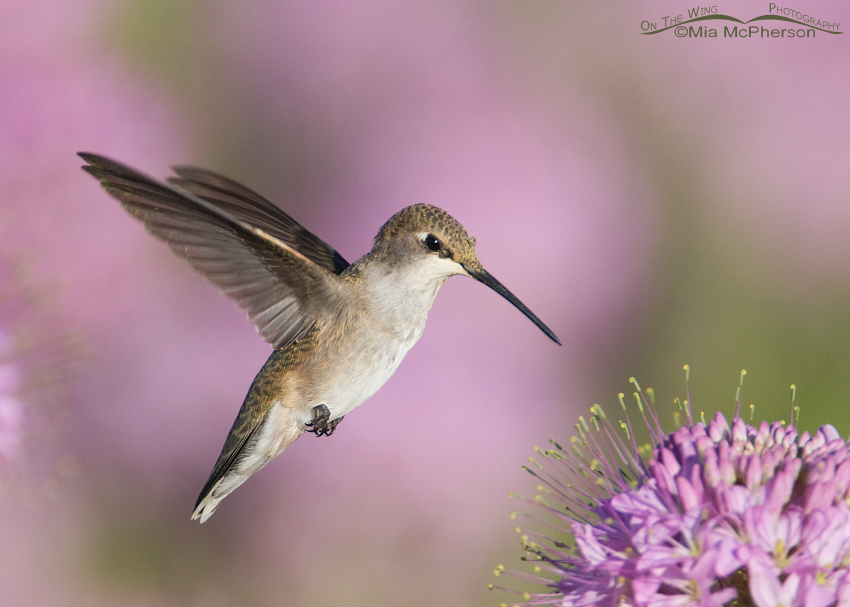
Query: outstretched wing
283	276
252	208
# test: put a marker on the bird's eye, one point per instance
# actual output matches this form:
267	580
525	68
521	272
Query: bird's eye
433	243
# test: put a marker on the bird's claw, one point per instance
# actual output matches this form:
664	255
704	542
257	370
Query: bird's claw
322	424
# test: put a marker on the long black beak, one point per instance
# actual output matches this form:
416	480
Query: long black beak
483	276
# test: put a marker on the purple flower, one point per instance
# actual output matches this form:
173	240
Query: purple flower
11	409
11	412
36	357
718	515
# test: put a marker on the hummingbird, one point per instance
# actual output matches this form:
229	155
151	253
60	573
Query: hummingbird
338	330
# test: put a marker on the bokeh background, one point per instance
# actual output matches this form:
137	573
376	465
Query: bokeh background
657	201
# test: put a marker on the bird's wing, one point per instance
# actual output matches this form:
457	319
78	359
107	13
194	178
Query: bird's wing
281	275
252	208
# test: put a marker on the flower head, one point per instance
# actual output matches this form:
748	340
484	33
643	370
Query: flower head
35	357
11	411
718	515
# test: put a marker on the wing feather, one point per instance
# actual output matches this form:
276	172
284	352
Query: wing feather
284	277
249	206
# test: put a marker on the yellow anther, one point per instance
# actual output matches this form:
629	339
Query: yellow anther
639	401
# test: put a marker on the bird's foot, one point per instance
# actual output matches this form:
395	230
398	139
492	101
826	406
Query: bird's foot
322	424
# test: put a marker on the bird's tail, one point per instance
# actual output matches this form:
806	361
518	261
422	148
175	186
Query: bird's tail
279	428
208	503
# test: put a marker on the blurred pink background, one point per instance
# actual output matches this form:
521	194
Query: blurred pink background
656	201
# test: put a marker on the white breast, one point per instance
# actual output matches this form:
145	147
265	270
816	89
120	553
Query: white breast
396	307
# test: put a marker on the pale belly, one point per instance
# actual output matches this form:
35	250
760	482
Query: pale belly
346	380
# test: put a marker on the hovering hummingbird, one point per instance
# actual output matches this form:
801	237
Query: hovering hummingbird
339	330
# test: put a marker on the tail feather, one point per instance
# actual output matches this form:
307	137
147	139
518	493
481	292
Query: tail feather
268	439
208	502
